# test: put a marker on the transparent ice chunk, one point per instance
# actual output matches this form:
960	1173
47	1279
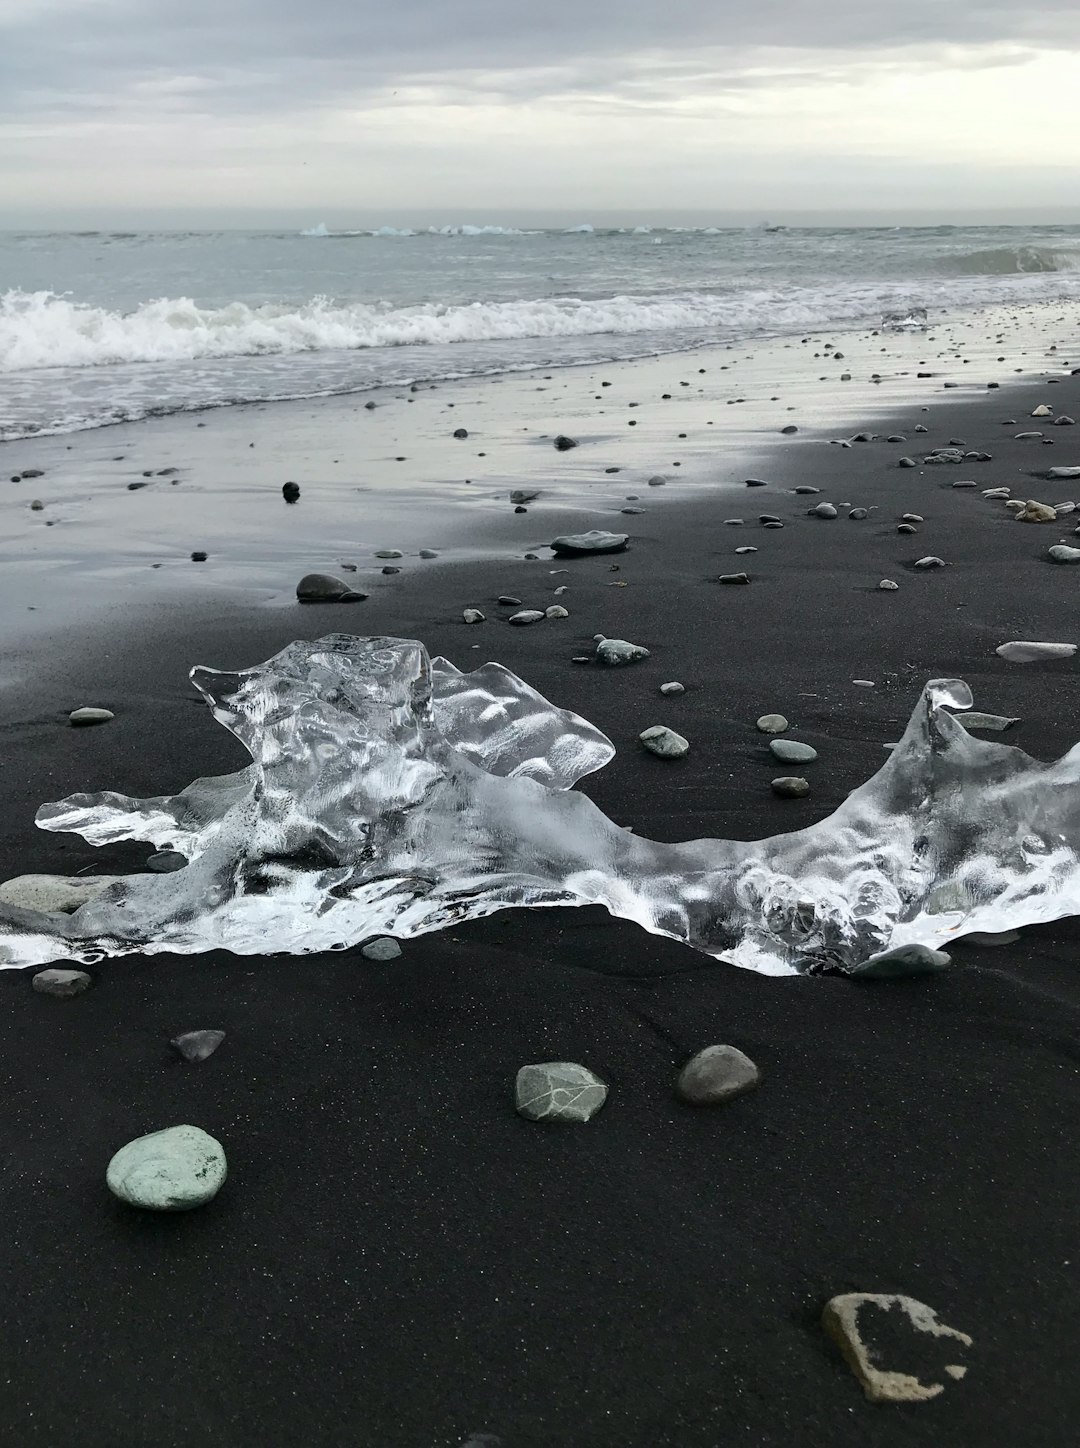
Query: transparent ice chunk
389	794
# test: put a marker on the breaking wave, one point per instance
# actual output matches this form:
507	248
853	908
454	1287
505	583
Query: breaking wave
1000	261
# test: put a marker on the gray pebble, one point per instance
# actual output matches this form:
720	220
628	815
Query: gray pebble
772	724
558	1091
166	862
791	787
556	611
324	588
168	1171
63	983
619	651
87	716
664	742
733	578
473	615
673	688
383	948
197	1045
715	1075
1062	553
930	562
790	751
823	510
527	616
572	544
888	585
389	553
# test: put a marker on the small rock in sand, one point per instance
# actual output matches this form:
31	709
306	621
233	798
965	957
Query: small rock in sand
1064	473
569	545
619	651
673	688
866	1325
84	716
733	578
325	588
473	615
1043	411
907	463
389	553
1033	512
791	787
563	443
804	490
427	553
715	1075
823	510
790	751
746	549
930	562
556	611
664	742
772	724
658	481
385	947
527	616
461	432
1062	553
168	1171
888	585
1023	652
290	492
558	1091
62	983
197	1045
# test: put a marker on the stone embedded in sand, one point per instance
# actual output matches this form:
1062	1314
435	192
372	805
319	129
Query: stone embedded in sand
524	495
858	514
54	894
85	716
1064	421
461	432
1064	473
473	615
558	1091
619	651
855	1319
791	787
823	510
804	490
168	1171
1043	411
930	562
62	983
772	723
715	1075
197	1046
996	492
905	960
756	483
325	588
734	578
658	481
673	688
563	443
569	545
789	429
1062	553
384	947
527	616
1023	652
290	492
746	549
888	585
972	719
790	751
389	553
1033	512
664	742
556	611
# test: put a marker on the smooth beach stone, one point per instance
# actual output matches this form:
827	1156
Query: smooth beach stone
1033	512
743	551
1019	651
173	1170
564	444
165	862
789	429
1064	473
790	751
290	492
32	473
1043	411
866	1327
772	723
734	578
996	722
996	493
907	528
1063	508
664	742
791	787
905	960
619	651
37	506
888	585
556	611
774	525
920	428
508	600
54	894
632	512
389	570
658	481
427	553
823	510
756	483
197	1046
1027	436
673	688
473	615
558	1091
1064	421
804	490
595	541
383	948
389	553
461	432
930	562
858	514
966	483
62	983
1062	553
88	715
734	522
715	1075
768	518
325	588
527	616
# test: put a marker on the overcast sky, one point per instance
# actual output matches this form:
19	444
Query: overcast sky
335	109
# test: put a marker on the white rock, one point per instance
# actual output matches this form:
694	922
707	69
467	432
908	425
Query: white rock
888	585
1043	411
1064	473
619	651
673	688
473	615
849	1320
1062	553
930	562
556	611
1022	652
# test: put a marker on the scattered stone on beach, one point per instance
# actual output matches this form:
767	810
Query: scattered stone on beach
461	432
865	1326
856	515
173	1170
790	428
199	556
526	616
888	585
1062	509
389	553
966	483
1043	411
658	481
1024	652
673	688
804	490
523	495
62	983
556	610
290	492
756	483
166	862
197	1045
389	570
823	510
996	493
473	615
1064	473
930	562
734	522
905	960
619	651
325	588
87	715
775	524
791	787
715	1075
37	506
570	545
32	473
427	553
558	1091
54	894
384	947
664	742
734	578
1062	553
990	938
996	722
768	518
906	528
919	427
790	751
746	549
1064	421
1033	512
563	443
508	600
772	724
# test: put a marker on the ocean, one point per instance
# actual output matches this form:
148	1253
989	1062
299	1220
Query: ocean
107	327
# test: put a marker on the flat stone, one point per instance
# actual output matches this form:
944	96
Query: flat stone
996	722
570	545
858	514
930	562
385	947
1064	473
427	553
325	588
906	463
1023	652
747	549
996	492
556	610
805	490
865	1325
87	716
1064	421
888	585
509	601
734	522
733	578
54	894
790	751
63	983
1034	512
772	724
168	1171
791	787
473	615
619	651
715	1075
907	528
664	742
558	1091
673	688
658	481
197	1046
756	483
905	960
165	862
823	510
389	553
527	616
1062	553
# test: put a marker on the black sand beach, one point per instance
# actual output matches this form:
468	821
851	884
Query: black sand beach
397	1258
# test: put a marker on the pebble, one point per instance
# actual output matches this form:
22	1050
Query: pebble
62	983
854	1320
558	1091
290	492
473	615
87	715
905	960
756	483
427	553
37	506
1064	473
791	787
389	553
325	588
527	616
167	862
772	525
733	522
571	544
746	549
673	688
733	578
790	751
715	1075
197	1045
1033	512
930	562
888	585
563	443
1023	652
1062	553
556	611
966	484
996	492
33	473
789	429
385	947
805	490
461	432
1043	411
658	481
1064	421
664	742
508	600
858	514
772	724
168	1171
619	651
823	510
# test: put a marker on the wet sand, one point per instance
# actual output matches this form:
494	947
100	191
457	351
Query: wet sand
397	1259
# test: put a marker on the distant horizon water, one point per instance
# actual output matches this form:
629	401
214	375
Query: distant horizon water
98	327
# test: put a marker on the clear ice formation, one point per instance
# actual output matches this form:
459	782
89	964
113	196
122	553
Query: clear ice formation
392	794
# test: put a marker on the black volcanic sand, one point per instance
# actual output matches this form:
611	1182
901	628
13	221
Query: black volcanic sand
397	1260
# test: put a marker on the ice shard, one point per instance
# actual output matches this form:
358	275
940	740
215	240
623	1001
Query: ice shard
392	794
